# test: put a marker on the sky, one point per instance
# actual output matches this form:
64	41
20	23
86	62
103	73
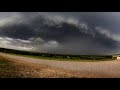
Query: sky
61	32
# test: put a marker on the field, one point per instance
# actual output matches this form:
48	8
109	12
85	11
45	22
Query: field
17	66
10	68
51	56
23	64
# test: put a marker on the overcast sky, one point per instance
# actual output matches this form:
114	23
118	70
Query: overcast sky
61	32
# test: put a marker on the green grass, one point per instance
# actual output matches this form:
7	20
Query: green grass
62	59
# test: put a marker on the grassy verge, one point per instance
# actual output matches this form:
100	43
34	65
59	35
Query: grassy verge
61	59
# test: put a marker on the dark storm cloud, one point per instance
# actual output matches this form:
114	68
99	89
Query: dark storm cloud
57	33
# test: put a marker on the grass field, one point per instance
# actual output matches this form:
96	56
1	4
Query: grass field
10	68
62	57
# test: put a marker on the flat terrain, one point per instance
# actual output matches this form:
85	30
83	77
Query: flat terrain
101	69
13	68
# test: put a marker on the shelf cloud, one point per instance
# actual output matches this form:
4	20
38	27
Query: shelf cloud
58	33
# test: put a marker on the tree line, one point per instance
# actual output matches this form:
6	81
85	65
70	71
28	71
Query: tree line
87	57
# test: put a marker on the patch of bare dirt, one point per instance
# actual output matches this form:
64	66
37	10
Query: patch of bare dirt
54	69
21	69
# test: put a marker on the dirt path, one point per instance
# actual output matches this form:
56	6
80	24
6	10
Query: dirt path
107	69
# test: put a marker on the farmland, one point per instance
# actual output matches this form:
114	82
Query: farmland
51	56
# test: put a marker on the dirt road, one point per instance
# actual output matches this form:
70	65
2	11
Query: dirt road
102	69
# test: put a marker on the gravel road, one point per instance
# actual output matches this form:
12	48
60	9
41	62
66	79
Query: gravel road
102	69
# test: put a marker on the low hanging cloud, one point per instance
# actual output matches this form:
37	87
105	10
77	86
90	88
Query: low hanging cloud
42	32
28	45
14	43
108	34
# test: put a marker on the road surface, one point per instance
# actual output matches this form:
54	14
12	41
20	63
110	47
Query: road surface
102	69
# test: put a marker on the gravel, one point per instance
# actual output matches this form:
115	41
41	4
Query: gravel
101	69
